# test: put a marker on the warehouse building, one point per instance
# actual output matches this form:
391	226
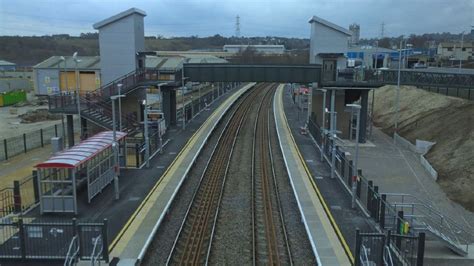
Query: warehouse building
7	66
264	48
370	56
58	74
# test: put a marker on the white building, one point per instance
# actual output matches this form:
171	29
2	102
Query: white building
264	48
453	51
328	46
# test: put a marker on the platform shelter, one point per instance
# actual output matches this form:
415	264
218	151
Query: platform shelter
90	164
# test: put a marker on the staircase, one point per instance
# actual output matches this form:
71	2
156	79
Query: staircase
101	114
96	106
423	217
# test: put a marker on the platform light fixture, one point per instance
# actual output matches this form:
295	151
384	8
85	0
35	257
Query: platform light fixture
355	174
115	146
78	96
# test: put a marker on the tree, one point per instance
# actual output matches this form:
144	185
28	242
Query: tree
385	43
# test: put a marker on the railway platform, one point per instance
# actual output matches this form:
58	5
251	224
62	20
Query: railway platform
130	245
328	244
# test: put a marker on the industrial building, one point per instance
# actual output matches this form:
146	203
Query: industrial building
266	49
58	74
455	51
371	57
219	54
328	46
7	66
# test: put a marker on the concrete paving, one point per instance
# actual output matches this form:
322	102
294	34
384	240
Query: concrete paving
398	170
329	246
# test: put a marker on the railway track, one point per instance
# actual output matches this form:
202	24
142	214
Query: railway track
193	242
270	240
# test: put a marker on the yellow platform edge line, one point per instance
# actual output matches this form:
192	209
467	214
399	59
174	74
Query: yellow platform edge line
148	196
145	200
318	192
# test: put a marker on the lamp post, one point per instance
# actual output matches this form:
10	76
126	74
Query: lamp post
333	132
119	87
323	123
182	98
145	132
62	59
397	103
115	146
355	107
460	54
78	97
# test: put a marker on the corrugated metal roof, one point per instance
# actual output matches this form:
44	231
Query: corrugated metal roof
82	152
329	24
6	63
172	63
86	62
119	16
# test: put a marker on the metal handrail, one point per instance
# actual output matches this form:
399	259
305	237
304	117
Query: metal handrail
427	218
364	257
95	256
72	251
386	251
432	214
106	110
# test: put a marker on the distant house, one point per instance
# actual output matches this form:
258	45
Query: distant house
263	48
453	51
328	46
7	66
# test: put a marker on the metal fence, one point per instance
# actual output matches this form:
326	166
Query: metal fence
402	214
33	239
389	249
371	200
20	197
10	147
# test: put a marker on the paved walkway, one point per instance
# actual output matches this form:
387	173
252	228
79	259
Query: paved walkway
132	241
397	170
326	239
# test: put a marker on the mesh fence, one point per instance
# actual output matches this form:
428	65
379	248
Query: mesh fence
27	238
23	143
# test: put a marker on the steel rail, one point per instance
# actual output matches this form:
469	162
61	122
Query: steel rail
212	160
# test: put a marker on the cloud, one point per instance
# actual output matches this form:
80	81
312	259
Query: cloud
257	17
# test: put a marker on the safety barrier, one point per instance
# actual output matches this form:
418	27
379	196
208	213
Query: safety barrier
23	143
34	239
402	214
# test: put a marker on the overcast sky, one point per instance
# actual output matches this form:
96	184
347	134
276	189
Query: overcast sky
287	18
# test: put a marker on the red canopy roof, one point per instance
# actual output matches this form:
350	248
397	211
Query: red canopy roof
82	152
